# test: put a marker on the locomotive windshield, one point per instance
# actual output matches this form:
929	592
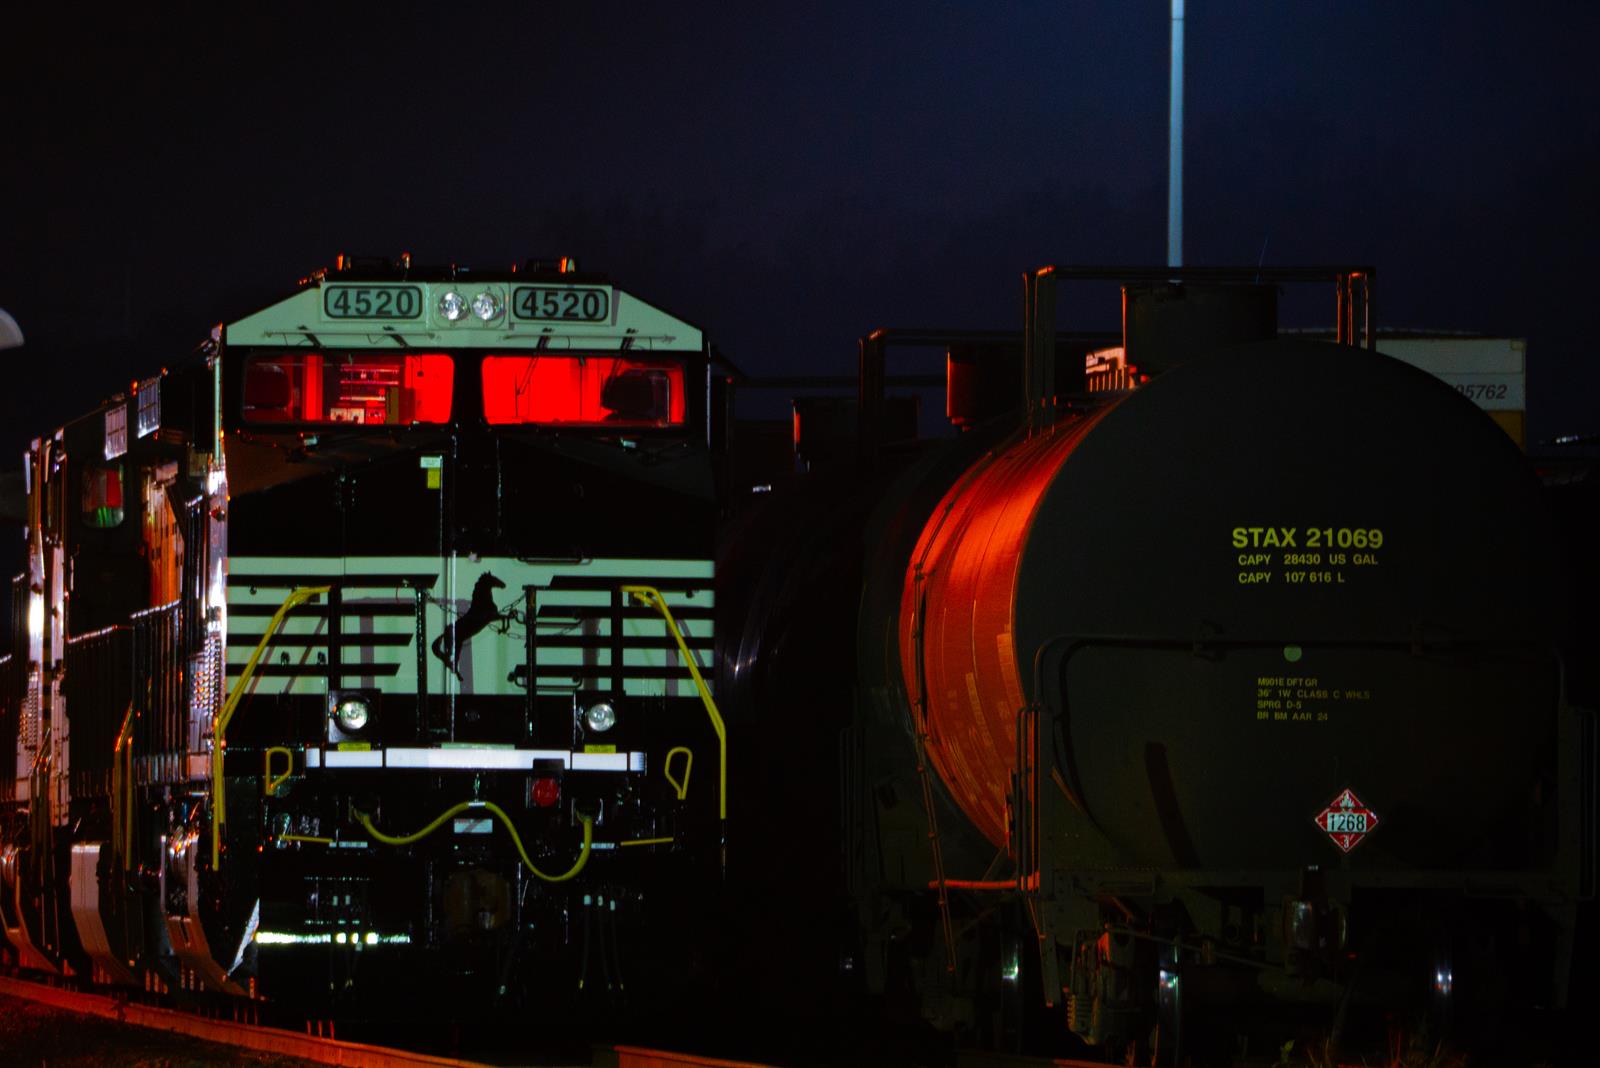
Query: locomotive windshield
594	390
358	388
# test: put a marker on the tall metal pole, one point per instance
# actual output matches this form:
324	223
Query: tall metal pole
1175	145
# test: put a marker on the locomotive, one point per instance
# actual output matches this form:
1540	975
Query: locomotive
1205	676
373	639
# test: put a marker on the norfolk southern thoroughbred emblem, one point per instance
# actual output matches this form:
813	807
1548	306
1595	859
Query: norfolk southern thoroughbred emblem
479	614
1347	821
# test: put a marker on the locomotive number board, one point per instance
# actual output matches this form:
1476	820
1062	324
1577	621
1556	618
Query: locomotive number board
372	302
570	304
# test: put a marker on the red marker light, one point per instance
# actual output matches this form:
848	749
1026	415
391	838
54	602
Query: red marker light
546	792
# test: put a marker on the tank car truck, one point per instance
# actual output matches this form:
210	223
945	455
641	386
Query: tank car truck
371	648
1206	688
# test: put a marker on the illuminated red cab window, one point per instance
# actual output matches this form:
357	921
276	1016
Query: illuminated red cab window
357	388
570	390
102	495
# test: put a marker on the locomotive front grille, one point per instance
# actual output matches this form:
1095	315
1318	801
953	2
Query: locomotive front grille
474	637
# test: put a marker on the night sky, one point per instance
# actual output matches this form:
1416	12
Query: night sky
790	176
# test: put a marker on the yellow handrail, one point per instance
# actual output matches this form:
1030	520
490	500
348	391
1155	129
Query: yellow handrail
219	814
651	597
272	781
500	813
122	794
681	788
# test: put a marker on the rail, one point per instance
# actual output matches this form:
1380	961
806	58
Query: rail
651	597
219	813
270	1040
320	1049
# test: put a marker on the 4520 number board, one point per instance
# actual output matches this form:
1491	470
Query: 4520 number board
582	304
372	302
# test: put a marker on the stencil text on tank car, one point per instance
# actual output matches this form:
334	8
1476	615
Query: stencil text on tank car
1303	698
1303	556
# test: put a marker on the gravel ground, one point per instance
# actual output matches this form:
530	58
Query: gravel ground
37	1036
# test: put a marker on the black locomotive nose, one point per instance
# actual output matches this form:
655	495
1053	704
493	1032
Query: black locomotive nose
475	501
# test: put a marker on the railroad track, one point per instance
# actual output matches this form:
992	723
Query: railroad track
327	1049
320	1049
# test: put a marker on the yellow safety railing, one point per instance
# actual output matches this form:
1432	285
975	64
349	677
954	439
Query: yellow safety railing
679	787
500	814
270	780
122	794
651	597
219	813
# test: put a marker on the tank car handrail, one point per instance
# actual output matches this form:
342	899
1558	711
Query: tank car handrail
652	598
1094	272
219	814
1347	280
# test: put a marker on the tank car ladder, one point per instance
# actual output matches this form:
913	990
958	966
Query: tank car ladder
920	734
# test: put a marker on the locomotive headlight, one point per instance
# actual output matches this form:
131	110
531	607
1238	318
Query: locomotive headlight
486	306
352	714
600	717
453	306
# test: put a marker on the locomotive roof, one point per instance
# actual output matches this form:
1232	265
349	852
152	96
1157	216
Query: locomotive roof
554	311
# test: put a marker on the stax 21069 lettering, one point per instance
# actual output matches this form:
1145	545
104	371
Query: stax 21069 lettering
1276	537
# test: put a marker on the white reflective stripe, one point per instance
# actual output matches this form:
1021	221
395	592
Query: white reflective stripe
473	759
368	758
600	761
474	826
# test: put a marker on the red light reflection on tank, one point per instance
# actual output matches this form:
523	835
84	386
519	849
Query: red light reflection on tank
962	582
